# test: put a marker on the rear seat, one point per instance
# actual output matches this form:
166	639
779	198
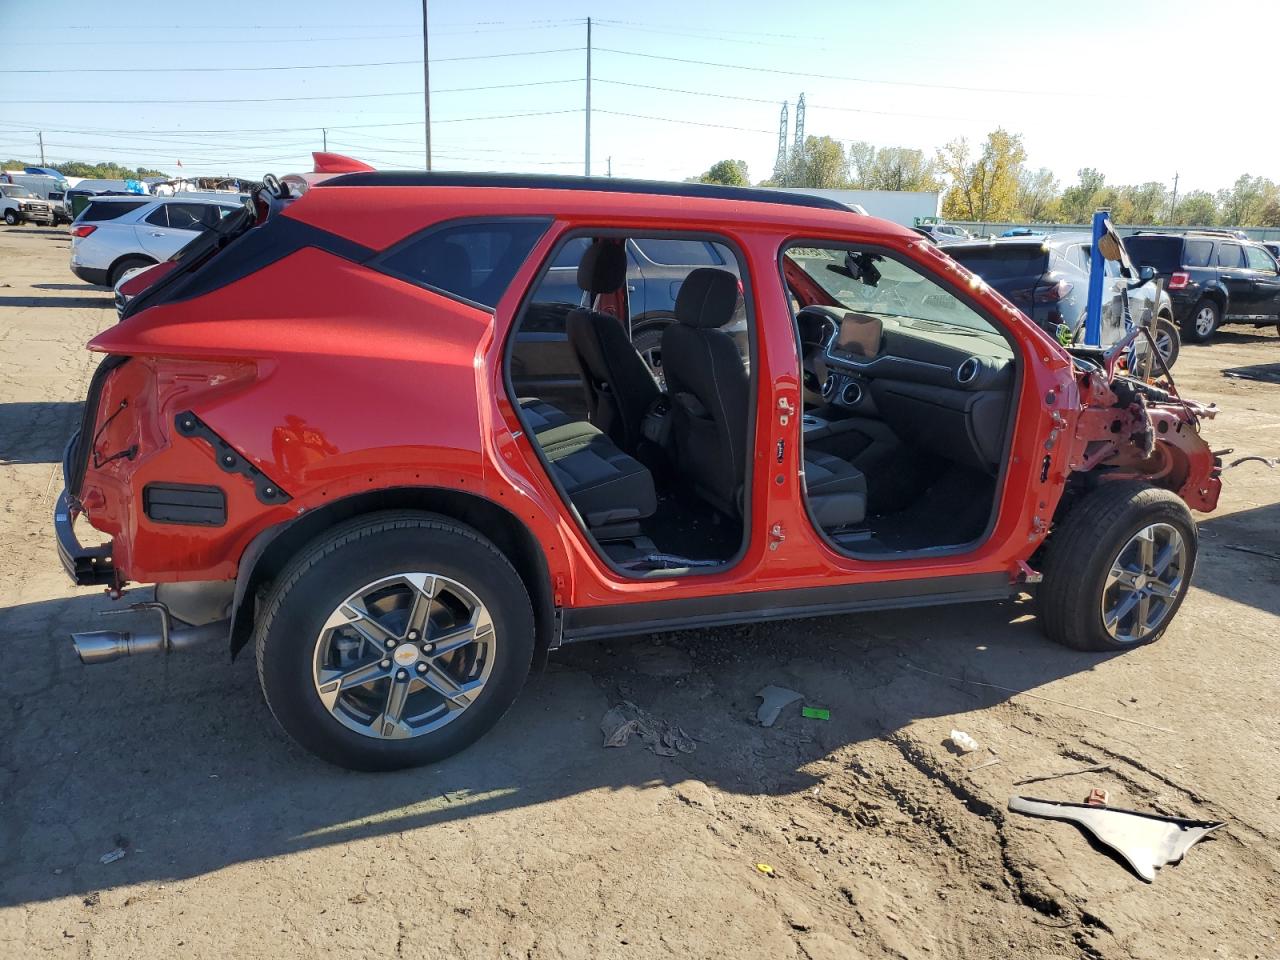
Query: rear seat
611	490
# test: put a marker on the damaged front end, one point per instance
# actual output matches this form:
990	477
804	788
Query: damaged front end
1129	428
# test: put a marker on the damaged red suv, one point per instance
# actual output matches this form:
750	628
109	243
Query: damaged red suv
362	428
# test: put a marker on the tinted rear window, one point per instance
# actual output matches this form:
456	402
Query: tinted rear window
996	263
109	211
474	260
1198	253
1230	255
1162	253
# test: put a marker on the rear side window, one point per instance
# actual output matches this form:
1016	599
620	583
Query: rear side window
1198	253
1230	255
472	261
996	263
99	211
680	253
1162	253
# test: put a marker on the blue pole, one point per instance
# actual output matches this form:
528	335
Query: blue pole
1097	269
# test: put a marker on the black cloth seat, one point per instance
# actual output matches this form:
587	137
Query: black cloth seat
619	387
836	490
539	415
609	488
709	389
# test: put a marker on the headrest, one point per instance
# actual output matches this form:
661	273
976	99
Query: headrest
707	298
603	268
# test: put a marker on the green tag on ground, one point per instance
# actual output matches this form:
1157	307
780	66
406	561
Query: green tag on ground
815	713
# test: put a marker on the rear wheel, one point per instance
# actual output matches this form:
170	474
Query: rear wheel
1168	341
396	640
1202	321
648	344
1117	567
124	265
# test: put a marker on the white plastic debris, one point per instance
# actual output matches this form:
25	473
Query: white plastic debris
963	742
773	699
112	856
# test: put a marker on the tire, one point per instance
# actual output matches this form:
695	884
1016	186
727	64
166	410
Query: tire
297	617
124	265
11	218
1099	530
1202	322
648	344
1167	333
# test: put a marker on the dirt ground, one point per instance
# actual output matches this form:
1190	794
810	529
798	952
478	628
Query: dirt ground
539	843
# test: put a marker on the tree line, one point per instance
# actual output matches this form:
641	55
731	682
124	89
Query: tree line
992	182
92	171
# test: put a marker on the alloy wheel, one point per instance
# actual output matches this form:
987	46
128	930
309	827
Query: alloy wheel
1164	344
1205	319
1144	582
404	655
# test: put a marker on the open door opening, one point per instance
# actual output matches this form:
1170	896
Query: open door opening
634	386
908	392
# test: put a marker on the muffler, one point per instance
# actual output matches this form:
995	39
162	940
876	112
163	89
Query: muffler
103	646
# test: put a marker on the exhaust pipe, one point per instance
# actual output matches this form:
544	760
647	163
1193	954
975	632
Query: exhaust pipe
103	646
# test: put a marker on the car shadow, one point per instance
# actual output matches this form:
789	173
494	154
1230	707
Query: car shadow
83	287
1261	372
1240	555
36	432
46	231
1236	336
60	303
177	760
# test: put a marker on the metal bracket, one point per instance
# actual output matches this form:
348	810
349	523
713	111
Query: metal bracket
230	459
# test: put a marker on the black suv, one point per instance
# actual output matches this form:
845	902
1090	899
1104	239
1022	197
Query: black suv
1213	278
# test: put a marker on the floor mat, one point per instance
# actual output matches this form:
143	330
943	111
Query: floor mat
684	526
953	510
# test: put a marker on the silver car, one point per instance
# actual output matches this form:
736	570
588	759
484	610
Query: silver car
114	235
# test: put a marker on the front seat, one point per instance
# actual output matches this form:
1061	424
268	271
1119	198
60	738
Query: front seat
619	387
709	389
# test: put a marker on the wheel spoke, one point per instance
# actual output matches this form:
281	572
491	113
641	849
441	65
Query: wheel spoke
424	588
1167	590
1122	575
1146	549
1172	550
390	723
457	694
332	683
1122	609
477	629
362	622
1144	612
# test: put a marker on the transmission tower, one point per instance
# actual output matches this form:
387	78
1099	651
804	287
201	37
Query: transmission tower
780	165
797	148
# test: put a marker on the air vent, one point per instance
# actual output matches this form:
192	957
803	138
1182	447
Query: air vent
828	386
851	395
968	371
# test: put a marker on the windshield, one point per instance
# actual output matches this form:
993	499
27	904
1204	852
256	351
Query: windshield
873	284
12	190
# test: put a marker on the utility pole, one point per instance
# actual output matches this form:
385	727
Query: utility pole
587	162
426	84
40	135
611	165
1173	203
325	136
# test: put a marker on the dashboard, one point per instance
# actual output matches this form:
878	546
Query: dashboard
939	386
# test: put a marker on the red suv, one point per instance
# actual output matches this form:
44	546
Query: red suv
316	432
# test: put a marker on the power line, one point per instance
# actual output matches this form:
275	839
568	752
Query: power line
315	26
827	76
692	123
302	66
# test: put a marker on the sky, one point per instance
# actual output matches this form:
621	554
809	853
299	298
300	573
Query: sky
1142	90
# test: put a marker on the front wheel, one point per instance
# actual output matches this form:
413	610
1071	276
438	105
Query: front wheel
1168	341
395	640
11	218
1117	567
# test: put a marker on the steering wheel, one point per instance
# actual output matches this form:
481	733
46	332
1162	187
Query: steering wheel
813	355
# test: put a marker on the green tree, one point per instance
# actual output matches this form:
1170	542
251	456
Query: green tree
97	171
1148	202
1037	197
1244	204
985	188
731	173
897	168
1081	200
821	163
1196	209
861	155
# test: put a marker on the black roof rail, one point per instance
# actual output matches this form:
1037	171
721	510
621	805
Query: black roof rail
533	181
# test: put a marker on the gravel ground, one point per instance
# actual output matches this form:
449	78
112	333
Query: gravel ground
539	843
